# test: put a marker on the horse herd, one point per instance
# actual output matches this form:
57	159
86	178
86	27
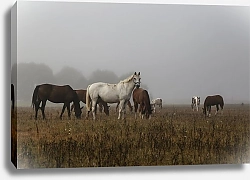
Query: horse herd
102	93
216	100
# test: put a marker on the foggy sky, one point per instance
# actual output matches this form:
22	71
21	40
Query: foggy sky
180	50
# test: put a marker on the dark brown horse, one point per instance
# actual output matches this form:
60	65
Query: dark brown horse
129	106
215	100
12	97
56	94
140	96
82	97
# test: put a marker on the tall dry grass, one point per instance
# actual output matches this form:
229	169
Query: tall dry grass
174	136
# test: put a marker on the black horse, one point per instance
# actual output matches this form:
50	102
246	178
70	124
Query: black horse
56	94
12	97
215	100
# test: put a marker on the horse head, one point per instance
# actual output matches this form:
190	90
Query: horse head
78	112
137	79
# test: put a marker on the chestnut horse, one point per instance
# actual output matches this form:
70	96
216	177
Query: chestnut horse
140	96
82	97
215	100
56	94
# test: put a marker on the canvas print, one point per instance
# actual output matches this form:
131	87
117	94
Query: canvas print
126	84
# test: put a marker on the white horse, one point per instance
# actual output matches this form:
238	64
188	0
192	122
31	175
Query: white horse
195	102
157	101
112	93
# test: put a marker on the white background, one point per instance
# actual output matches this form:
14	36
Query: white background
171	172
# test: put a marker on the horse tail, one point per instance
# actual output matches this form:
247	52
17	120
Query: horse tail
88	99
147	102
222	103
35	96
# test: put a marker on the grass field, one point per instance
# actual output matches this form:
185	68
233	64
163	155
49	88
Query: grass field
174	135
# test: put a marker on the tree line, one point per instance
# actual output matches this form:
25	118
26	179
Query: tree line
31	74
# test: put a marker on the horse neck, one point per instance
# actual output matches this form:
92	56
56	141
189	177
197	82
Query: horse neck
129	86
76	100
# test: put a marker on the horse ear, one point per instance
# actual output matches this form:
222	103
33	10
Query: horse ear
139	74
135	73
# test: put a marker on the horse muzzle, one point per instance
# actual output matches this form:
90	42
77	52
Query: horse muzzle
137	85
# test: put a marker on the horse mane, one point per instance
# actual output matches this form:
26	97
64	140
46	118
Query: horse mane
127	79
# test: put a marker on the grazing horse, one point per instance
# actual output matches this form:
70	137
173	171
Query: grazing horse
215	100
12	96
82	97
56	94
140	96
129	106
112	93
157	101
195	102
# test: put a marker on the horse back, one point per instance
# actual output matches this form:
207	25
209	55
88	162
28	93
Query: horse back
81	95
213	100
56	94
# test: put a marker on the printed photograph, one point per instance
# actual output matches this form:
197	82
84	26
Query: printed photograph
127	84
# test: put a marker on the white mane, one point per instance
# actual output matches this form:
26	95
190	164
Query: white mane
127	79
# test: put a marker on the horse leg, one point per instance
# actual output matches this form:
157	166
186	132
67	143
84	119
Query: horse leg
117	106
43	108
87	112
68	109
37	104
206	111
140	110
136	107
141	114
94	109
125	105
64	106
121	110
209	111
100	107
217	109
72	107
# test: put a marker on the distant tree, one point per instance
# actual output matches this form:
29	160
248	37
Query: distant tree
29	75
72	77
103	76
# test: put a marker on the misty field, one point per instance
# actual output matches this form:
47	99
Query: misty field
174	135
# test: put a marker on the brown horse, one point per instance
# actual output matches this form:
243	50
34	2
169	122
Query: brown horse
215	100
82	97
129	106
140	96
56	94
